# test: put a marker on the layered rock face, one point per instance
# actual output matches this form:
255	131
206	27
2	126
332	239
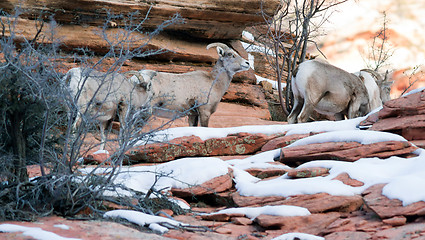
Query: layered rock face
85	23
404	116
203	22
223	19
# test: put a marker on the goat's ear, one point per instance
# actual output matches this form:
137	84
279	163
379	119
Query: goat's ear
220	51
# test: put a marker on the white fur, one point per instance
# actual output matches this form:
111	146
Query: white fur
195	93
103	95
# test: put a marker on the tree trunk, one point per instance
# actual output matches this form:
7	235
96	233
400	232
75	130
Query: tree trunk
19	168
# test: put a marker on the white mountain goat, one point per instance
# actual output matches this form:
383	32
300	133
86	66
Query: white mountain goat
328	90
105	95
195	93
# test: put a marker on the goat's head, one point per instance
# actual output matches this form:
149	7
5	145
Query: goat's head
232	62
140	80
383	83
385	87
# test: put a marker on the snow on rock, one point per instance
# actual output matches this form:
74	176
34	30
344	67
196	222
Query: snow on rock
300	236
341	185
34	232
253	212
363	137
62	226
207	133
180	173
386	207
143	219
404	116
274	83
189	146
344	151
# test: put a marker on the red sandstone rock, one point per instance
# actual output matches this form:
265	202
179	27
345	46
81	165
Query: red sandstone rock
266	172
315	203
359	221
395	221
312	224
283	141
241	220
203	19
344	151
308	172
243	201
346	179
404	116
419	143
410	127
323	202
215	185
35	171
86	230
246	94
241	143
388	208
410	231
413	104
227	115
222	217
348	236
96	158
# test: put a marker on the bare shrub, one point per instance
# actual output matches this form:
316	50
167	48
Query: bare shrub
37	112
289	30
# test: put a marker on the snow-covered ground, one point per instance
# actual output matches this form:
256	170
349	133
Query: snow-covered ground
405	178
33	232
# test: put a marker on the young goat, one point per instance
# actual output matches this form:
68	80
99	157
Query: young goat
195	93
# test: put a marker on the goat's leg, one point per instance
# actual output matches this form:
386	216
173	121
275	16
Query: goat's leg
296	109
305	113
123	117
310	101
339	116
204	118
353	109
193	119
102	127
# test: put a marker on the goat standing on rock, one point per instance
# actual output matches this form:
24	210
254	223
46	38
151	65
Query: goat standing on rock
105	95
328	90
195	93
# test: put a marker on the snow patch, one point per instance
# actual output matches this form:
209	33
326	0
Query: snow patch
279	210
34	232
143	219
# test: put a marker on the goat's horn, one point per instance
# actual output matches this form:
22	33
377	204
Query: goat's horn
134	73
222	45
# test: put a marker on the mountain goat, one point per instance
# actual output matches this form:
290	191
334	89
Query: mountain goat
105	95
195	93
328	90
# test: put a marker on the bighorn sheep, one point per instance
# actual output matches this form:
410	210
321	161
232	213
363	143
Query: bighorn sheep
327	89
105	95
195	93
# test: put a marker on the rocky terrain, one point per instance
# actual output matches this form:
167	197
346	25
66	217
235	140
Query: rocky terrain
368	215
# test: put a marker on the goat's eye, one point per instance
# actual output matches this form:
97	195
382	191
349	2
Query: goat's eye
230	55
